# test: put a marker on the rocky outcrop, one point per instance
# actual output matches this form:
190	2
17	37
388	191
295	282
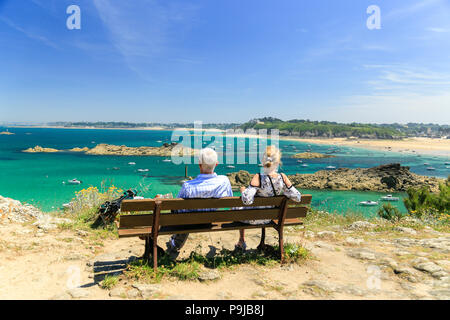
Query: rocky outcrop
85	149
108	149
384	178
39	149
7	133
239	179
311	155
15	211
164	151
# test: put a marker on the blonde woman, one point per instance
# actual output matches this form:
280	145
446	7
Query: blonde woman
268	183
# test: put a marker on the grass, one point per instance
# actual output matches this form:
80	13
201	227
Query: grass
318	219
191	268
109	282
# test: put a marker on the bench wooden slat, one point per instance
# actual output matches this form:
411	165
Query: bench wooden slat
171	219
223	226
228	202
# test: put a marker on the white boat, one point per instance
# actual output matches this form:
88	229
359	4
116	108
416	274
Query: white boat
231	167
331	167
67	205
368	203
431	168
74	181
299	161
131	163
304	165
167	160
142	170
389	197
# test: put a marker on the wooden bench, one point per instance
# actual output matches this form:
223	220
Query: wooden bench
226	216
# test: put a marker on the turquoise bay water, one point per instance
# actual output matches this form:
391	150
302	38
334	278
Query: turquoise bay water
37	178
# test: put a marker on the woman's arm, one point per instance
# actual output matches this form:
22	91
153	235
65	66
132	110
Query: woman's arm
289	190
248	194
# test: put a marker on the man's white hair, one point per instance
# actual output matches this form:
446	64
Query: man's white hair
208	158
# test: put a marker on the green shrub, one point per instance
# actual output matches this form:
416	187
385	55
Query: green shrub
389	212
423	204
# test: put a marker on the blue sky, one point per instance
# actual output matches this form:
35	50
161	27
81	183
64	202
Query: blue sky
225	61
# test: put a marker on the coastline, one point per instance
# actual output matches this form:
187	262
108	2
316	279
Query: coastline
414	145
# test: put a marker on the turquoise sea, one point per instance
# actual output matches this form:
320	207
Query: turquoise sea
37	178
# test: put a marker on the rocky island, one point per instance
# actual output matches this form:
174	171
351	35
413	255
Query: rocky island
108	149
384	178
311	155
6	133
163	151
39	149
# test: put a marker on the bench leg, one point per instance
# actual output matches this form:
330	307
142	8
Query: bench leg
155	253
281	244
146	256
262	244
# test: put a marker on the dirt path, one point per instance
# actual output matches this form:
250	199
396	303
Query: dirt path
368	265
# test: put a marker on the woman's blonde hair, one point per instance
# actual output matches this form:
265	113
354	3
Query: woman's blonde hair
272	157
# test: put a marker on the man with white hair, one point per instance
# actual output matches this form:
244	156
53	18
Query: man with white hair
206	185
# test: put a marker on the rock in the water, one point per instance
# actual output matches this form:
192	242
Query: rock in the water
312	155
39	149
241	178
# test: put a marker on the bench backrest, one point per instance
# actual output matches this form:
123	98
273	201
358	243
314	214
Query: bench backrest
225	209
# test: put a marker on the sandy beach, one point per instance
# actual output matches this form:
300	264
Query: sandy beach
429	146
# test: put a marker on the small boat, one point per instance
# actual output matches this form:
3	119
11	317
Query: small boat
67	205
304	165
431	168
131	163
231	167
368	203
447	163
167	160
299	161
116	168
426	164
331	167
389	197
142	170
74	181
